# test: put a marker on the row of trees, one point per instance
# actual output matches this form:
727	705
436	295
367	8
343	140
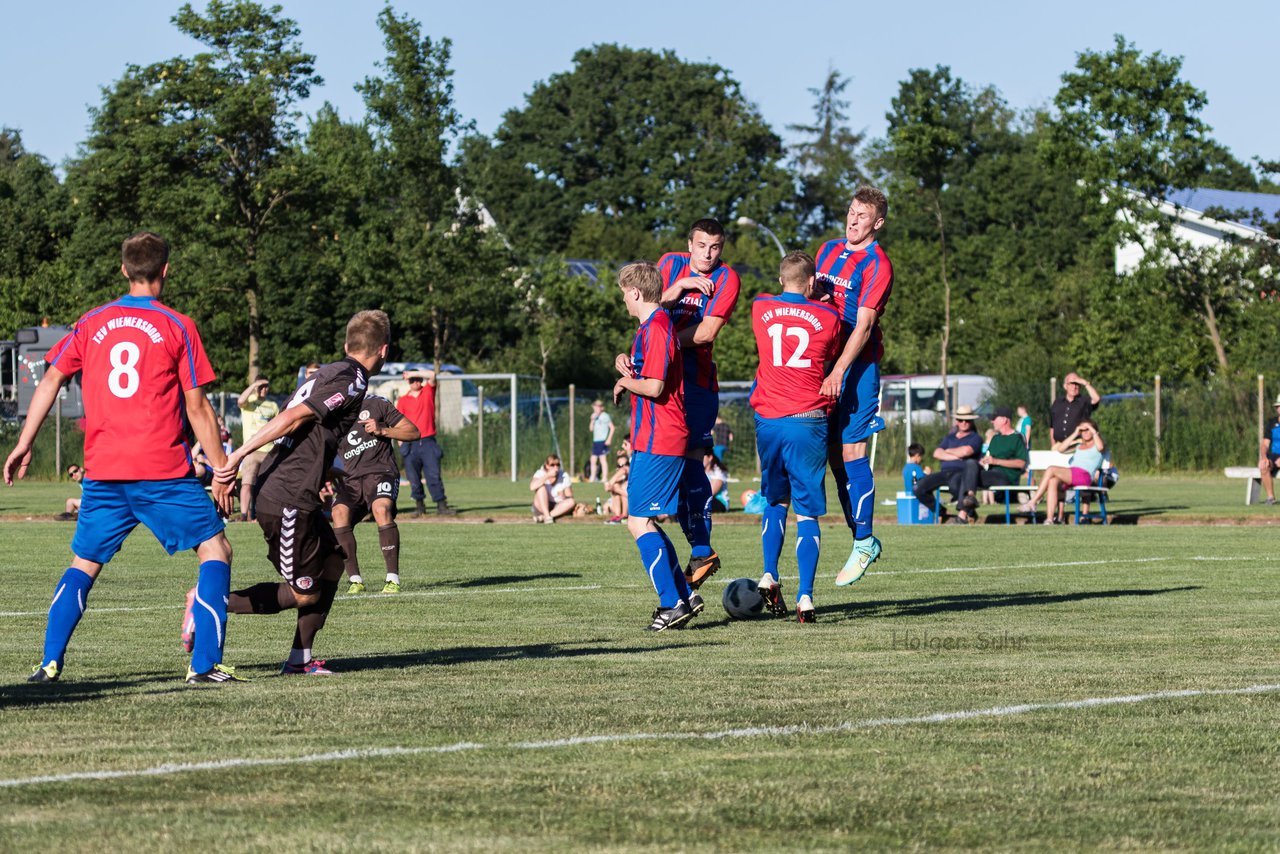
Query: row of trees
1002	222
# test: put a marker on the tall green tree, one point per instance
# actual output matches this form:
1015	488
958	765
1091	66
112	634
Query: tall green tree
826	160
1130	127
931	139
427	255
635	136
34	221
205	150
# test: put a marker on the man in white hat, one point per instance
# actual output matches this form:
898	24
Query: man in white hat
1268	456
961	444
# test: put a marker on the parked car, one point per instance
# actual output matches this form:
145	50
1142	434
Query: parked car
927	400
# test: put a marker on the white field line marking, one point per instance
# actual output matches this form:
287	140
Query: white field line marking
454	591
170	769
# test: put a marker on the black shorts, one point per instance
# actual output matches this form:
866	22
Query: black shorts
359	493
1275	462
299	543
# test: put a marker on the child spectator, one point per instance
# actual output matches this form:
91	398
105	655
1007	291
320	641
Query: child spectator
913	471
617	489
719	479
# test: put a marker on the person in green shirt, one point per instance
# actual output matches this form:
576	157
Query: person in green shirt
1003	464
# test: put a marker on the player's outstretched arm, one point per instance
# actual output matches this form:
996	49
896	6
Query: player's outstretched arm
405	431
42	402
282	425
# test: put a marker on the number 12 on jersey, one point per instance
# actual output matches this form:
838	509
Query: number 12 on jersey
777	334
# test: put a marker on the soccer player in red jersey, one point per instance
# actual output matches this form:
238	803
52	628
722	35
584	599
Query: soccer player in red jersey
855	274
142	368
301	543
701	292
659	439
796	338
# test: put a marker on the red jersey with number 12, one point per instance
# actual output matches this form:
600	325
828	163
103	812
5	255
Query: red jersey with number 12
795	338
137	359
658	424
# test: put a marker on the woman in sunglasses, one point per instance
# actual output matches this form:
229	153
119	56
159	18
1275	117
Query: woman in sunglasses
1086	448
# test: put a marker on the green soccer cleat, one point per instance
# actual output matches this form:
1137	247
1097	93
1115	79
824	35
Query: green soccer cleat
217	673
391	587
44	673
865	552
356	587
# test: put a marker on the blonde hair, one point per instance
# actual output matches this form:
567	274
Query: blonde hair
367	331
644	277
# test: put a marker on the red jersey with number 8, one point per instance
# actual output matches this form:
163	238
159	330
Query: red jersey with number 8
137	358
795	338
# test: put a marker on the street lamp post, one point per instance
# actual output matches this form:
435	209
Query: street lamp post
748	222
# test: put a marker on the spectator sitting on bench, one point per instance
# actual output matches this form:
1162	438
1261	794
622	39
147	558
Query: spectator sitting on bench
1086	448
1269	455
1003	463
957	446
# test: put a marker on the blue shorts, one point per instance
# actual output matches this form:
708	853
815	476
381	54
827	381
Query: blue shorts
856	416
178	511
599	449
701	406
653	487
793	462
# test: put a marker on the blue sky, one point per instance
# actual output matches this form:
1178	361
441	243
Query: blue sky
58	56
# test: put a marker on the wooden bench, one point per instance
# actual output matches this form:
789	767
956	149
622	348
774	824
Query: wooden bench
1252	481
1041	460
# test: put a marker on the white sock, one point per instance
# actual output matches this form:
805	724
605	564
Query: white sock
299	657
356	579
393	578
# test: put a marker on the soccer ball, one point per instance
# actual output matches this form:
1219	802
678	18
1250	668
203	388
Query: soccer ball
742	599
746	496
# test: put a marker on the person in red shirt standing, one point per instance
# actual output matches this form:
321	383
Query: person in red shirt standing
659	438
796	337
136	355
422	456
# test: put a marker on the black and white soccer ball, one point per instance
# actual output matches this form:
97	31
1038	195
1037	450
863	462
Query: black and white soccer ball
742	599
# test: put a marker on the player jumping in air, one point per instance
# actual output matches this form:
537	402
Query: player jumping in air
300	542
659	438
796	337
701	293
855	274
142	366
371	483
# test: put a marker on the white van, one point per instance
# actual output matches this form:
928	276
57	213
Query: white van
926	399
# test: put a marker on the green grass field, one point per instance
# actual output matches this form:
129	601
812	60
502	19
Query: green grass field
983	687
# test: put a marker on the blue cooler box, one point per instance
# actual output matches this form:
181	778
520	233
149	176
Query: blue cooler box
912	512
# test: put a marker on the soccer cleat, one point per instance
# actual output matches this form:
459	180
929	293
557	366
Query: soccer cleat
356	587
189	622
771	592
217	673
45	673
391	587
670	618
860	559
700	569
805	612
696	605
314	667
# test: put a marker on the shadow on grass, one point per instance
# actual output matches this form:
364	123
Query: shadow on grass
481	654
86	690
493	580
981	602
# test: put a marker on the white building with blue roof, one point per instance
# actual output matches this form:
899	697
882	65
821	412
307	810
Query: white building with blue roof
1242	215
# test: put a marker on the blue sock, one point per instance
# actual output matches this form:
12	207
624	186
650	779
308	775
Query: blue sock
69	600
808	546
210	612
773	530
696	521
677	572
862	495
656	567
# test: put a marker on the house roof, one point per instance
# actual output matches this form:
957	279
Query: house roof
1199	200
